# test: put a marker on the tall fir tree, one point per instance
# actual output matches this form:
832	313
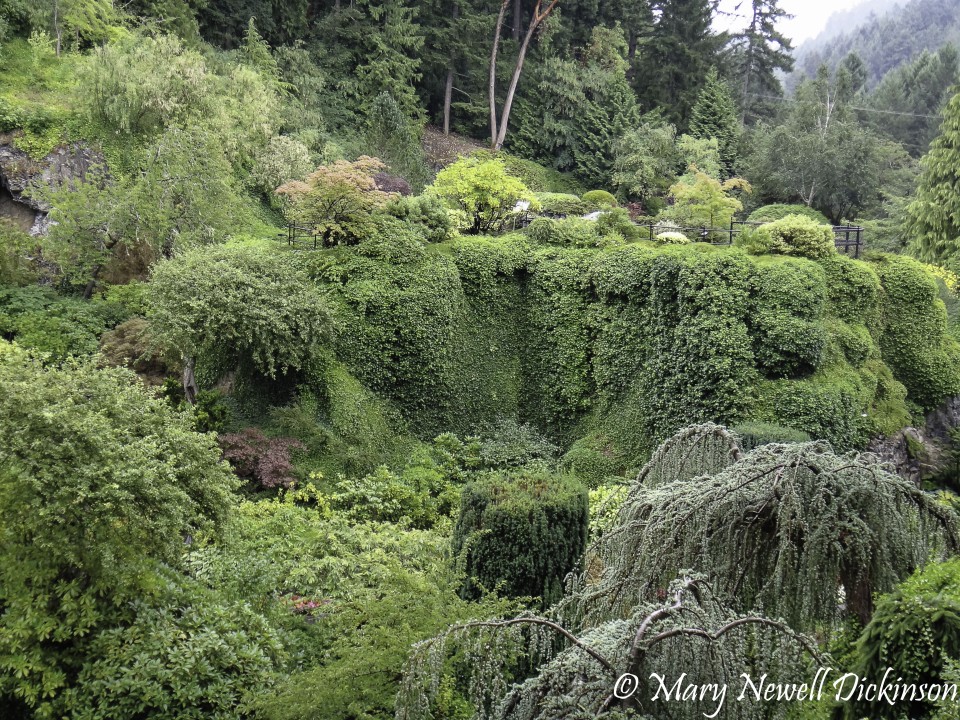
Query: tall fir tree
715	116
933	218
758	54
674	60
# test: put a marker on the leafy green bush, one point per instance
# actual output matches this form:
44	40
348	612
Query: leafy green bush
915	630
524	529
561	203
794	235
189	655
484	190
778	211
426	212
101	483
53	326
237	307
597	199
616	221
593	460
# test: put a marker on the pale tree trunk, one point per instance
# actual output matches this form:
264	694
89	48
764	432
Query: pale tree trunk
448	90
447	97
537	18
189	381
56	25
493	71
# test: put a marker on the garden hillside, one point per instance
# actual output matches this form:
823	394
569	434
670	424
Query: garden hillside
622	346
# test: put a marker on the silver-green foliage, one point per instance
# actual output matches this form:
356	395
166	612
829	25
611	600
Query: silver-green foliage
785	528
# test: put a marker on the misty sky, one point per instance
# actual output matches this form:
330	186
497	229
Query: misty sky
810	16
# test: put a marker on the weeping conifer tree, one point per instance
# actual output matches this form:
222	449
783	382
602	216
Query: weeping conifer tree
788	531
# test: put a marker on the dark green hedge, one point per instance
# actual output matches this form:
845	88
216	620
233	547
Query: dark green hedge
523	531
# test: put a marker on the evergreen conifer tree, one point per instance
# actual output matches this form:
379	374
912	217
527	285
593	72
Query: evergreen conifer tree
674	60
715	116
933	218
757	54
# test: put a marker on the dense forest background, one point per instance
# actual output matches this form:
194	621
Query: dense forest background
391	358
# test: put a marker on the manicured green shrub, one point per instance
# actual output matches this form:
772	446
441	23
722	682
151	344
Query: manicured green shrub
617	220
593	460
794	235
569	232
597	199
777	211
672	238
914	342
524	531
561	204
754	434
915	630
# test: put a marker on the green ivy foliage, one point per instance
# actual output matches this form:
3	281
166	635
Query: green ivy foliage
629	341
915	343
523	532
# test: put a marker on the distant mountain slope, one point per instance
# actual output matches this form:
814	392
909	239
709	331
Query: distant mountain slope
883	33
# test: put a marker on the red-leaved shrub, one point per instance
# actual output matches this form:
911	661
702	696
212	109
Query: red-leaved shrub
262	459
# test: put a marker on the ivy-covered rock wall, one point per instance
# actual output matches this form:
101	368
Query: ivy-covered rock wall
628	344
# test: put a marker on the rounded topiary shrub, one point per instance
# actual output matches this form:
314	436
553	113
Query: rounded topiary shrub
523	531
596	199
561	204
672	238
571	232
796	235
778	211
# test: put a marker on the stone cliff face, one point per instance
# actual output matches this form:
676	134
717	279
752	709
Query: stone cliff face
920	453
18	172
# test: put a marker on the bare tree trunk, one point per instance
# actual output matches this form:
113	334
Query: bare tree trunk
447	97
493	72
189	381
535	21
56	24
448	90
517	19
